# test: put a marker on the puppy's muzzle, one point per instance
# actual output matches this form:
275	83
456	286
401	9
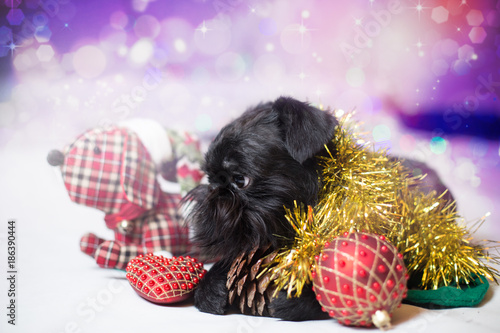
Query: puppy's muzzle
221	181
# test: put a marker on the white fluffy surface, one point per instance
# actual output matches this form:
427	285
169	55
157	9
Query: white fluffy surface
59	289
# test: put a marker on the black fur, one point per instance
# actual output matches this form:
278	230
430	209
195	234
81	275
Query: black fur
257	164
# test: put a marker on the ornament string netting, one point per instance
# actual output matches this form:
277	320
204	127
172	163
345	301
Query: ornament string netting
360	279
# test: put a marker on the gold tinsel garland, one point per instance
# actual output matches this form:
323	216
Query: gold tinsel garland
366	190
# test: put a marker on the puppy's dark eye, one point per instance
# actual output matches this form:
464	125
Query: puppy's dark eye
241	181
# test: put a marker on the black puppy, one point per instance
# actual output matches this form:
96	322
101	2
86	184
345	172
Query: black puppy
257	165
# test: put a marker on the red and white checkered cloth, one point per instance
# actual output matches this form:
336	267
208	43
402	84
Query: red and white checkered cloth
110	170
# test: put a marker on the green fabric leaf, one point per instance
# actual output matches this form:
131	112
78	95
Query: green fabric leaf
450	296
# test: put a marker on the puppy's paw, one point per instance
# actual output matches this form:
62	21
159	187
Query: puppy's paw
211	295
305	307
211	298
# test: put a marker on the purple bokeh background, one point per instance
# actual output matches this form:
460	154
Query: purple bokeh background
423	76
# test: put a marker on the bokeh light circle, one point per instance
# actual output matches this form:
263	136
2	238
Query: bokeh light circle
407	142
268	27
493	18
15	16
474	17
461	67
479	147
440	14
159	58
449	47
465	52
477	35
5	35
112	38
118	20
8	115
203	122
200	75
22	62
180	45
45	53
89	61
141	51
381	133
43	34
230	66
438	145
355	77
465	169
40	19
147	26
440	67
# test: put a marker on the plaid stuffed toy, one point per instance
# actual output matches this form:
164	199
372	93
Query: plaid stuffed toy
110	169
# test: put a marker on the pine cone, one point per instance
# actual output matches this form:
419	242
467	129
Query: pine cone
252	291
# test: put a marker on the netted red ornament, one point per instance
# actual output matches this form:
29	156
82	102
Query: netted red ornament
360	279
164	280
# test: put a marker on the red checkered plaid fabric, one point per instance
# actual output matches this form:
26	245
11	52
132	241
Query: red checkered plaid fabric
89	243
167	218
159	229
112	255
110	170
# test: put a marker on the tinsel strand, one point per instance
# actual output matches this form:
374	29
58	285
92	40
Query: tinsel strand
369	191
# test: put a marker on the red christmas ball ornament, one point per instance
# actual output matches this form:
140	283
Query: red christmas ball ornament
164	280
360	279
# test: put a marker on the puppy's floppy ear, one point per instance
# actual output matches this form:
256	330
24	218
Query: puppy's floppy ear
305	129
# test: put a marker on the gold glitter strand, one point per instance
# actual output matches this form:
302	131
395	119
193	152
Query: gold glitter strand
365	190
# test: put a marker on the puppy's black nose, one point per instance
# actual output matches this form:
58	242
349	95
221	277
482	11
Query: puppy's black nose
222	179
